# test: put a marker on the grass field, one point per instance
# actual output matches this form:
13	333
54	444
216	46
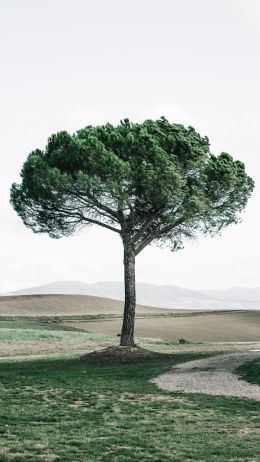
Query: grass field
59	409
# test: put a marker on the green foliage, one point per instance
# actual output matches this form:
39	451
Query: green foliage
154	181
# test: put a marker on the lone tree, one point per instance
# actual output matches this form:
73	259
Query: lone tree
149	182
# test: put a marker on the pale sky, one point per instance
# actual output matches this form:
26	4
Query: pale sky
69	63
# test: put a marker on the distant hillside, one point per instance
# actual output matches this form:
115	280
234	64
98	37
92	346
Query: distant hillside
64	305
166	296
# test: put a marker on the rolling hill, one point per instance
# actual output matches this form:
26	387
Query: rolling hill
165	296
64	305
104	315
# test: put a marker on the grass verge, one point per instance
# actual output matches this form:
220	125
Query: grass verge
250	371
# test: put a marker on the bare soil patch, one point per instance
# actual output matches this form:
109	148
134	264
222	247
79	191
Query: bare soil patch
123	355
228	326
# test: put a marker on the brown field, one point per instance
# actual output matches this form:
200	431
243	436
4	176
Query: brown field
64	305
151	323
208	327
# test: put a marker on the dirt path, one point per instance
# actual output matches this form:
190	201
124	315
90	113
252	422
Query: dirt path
213	376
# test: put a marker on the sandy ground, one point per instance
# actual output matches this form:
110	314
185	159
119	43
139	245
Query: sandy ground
213	376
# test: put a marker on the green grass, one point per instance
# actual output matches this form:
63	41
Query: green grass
25	340
250	371
67	411
62	410
11	335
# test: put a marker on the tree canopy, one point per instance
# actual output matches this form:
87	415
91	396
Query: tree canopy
154	181
150	182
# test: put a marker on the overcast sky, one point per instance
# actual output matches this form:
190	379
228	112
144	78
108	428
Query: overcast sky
69	63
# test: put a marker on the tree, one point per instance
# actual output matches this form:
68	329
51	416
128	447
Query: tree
150	182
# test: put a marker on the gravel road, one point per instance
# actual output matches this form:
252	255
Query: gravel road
213	376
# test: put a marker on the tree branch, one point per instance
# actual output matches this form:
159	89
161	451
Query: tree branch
99	223
147	223
155	233
147	240
168	228
99	204
79	214
86	203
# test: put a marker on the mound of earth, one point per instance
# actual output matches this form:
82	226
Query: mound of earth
123	355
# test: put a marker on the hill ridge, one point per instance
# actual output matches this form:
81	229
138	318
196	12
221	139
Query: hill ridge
164	296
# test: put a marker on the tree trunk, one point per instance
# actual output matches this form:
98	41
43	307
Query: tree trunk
127	334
